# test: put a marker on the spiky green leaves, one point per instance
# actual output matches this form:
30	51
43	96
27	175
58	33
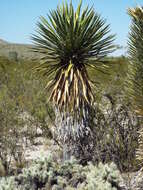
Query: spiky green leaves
69	41
73	35
135	50
136	35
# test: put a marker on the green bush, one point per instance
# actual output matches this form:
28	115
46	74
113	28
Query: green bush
46	174
103	177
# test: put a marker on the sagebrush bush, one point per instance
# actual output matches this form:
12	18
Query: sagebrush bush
46	174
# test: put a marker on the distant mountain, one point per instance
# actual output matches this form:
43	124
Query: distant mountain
3	41
21	51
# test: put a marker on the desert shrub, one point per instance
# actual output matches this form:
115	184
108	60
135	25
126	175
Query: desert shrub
115	135
46	174
23	110
13	55
10	127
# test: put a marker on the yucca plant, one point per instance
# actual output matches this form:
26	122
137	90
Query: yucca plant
135	50
71	41
135	75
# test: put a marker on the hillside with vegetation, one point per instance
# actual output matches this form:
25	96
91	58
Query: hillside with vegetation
16	51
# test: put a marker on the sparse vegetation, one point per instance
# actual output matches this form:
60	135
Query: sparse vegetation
23	110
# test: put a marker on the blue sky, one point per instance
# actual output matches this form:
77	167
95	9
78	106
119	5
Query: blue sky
18	17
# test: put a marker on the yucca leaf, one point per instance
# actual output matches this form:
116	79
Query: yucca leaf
135	51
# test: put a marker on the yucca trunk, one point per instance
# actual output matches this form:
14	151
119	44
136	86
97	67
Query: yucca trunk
73	131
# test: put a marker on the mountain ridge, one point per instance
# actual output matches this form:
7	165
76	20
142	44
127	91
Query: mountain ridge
3	41
21	51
